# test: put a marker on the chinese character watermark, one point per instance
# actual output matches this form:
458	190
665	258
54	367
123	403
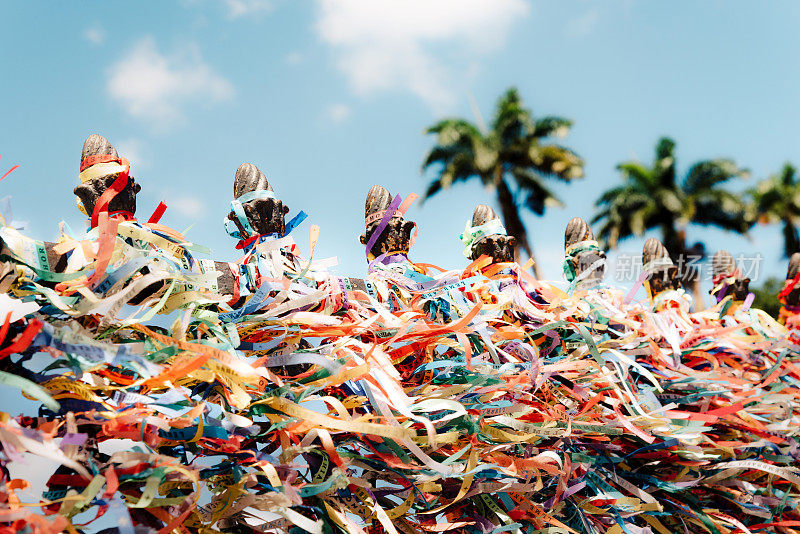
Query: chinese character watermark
628	267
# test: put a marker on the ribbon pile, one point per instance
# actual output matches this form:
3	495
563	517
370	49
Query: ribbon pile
415	400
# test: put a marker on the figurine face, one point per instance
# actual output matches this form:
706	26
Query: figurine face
724	268
89	192
497	246
585	260
265	215
740	288
664	280
395	238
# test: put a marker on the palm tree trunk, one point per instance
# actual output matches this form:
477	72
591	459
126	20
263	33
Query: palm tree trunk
512	220
791	239
675	242
672	241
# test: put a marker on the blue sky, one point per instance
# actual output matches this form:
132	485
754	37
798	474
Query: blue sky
330	97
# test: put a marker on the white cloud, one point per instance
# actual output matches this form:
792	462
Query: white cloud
338	112
96	35
183	204
132	150
583	24
154	87
294	58
242	8
392	44
188	206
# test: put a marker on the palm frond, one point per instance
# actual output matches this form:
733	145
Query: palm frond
443	154
665	148
457	169
638	173
552	127
434	187
556	161
614	229
671	200
664	164
537	196
452	132
711	173
612	194
512	120
788	175
454	124
727	213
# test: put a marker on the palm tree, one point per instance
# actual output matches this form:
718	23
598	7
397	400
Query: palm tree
510	158
653	198
777	200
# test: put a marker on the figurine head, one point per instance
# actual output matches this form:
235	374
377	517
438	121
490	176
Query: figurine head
663	274
487	236
396	237
728	279
100	167
581	252
261	213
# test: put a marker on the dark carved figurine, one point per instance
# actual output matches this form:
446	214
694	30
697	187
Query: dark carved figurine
663	274
396	236
265	214
582	252
498	246
98	153
727	278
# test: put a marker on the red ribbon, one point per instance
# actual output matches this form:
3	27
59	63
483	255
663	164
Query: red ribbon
246	242
88	161
736	273
24	340
122	214
108	195
156	216
788	287
116	187
9	171
12	169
